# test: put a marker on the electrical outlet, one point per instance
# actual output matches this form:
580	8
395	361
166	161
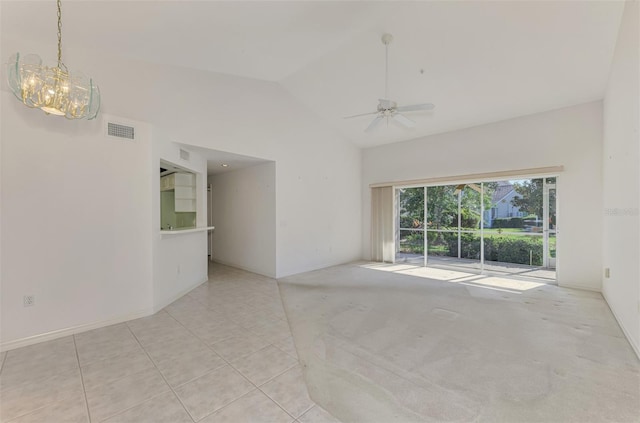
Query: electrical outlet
607	272
29	300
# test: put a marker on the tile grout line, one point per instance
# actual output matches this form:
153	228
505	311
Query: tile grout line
113	357
136	405
161	375
301	415
281	350
228	363
286	316
84	390
234	368
256	387
225	360
210	348
106	357
140	371
37	408
286	320
6	353
226	405
267	395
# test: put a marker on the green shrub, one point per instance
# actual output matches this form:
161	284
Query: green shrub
442	243
503	249
506	249
412	244
514	250
470	246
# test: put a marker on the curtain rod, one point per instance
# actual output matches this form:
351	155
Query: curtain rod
477	177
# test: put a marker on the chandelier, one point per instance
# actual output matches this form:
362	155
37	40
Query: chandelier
54	90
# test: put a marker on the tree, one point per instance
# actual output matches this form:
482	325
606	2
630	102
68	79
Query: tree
531	200
412	208
442	207
471	212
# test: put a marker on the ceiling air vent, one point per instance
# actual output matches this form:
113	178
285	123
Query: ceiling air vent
184	154
120	131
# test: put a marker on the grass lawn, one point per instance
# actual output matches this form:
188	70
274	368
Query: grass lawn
507	231
438	249
495	230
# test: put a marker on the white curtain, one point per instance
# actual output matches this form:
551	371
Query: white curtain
382	225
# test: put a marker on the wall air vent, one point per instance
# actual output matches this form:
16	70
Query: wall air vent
184	154
120	131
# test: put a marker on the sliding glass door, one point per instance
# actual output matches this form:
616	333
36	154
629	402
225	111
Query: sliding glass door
442	221
410	224
550	218
500	226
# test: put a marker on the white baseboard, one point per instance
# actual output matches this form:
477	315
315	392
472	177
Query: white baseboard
576	286
163	304
636	348
256	271
60	333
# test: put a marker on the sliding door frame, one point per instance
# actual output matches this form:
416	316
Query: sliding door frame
552	172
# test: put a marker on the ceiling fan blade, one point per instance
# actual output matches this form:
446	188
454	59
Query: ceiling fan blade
403	120
374	123
363	114
415	107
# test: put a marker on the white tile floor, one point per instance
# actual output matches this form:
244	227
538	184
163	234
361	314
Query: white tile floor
380	341
222	353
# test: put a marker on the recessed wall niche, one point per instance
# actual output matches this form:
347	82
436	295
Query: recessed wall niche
177	197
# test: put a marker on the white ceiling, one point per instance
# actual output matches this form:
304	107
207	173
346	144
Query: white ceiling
478	61
216	159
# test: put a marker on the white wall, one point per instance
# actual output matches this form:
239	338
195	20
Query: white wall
81	219
621	164
244	214
179	261
318	179
571	137
92	253
75	223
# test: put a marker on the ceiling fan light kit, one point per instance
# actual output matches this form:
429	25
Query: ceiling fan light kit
389	109
54	90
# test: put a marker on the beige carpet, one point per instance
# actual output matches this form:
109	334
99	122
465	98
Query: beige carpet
399	343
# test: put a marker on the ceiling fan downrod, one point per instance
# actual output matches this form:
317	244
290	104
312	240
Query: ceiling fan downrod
386	40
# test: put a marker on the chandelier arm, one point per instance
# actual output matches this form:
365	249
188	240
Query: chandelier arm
60	64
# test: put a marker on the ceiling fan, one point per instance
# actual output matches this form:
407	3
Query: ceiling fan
387	108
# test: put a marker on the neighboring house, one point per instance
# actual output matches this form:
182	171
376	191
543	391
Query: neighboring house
501	205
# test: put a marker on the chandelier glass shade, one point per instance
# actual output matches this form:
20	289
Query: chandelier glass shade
54	90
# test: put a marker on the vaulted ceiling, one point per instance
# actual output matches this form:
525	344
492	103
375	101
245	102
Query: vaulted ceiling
477	61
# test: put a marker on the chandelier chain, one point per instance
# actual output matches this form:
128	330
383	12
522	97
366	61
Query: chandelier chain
59	34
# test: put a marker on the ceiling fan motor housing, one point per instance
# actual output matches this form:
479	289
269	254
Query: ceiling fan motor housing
386	105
